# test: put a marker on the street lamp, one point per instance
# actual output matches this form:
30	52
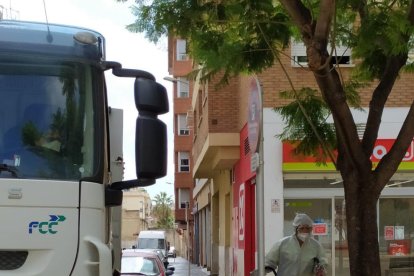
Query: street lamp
171	79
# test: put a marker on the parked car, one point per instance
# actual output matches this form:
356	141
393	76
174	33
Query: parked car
160	254
172	252
137	262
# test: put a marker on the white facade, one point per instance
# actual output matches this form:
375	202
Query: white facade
277	196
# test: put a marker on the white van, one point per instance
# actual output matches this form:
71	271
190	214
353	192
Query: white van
152	240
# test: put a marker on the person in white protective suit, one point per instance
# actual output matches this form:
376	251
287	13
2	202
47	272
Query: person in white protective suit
298	254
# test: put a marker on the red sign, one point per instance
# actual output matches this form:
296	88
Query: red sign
292	162
384	145
388	233
320	229
399	247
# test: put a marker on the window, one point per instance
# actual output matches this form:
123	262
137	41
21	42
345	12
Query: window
182	124
181	49
342	55
396	227
183	88
184	162
48	123
183	197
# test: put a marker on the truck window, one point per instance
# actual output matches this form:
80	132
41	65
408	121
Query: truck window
46	121
147	243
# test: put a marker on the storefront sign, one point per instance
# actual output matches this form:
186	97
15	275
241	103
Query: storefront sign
399	248
293	162
254	119
389	233
320	229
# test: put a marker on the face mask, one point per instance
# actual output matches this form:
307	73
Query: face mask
303	236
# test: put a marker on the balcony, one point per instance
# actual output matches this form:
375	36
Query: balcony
220	151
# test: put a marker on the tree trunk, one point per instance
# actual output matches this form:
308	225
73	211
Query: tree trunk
361	214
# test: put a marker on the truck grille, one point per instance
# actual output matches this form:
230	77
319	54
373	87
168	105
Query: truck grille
10	260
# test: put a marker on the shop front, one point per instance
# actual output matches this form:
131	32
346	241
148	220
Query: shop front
318	191
243	189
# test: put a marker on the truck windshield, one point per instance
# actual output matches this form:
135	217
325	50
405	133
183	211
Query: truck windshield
46	121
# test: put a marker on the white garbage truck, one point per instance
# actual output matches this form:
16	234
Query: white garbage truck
59	201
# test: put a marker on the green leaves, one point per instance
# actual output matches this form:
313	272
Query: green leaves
246	36
305	116
384	33
233	36
162	211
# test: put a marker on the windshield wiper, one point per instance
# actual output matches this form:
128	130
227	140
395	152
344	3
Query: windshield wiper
10	169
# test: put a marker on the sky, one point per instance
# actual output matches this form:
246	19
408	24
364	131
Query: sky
132	50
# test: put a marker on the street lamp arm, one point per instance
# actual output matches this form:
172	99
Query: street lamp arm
171	79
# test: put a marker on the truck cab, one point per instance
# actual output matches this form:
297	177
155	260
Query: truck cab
58	194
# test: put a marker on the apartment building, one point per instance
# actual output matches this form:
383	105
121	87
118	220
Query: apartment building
179	65
224	196
136	215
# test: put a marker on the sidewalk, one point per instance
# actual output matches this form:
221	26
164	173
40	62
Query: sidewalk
181	267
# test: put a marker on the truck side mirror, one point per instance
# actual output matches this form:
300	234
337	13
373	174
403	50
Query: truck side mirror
151	100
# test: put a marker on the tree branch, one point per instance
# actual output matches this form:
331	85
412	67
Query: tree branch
382	91
361	7
378	100
302	109
301	17
332	90
323	25
411	13
390	162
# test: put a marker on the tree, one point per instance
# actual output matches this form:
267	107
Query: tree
237	36
162	211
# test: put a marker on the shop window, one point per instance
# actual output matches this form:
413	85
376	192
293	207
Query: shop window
396	226
340	238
